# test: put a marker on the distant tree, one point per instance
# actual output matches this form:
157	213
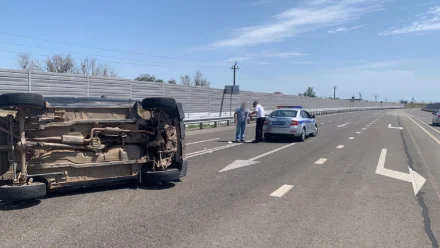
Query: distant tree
185	80
61	64
148	77
300	94
172	81
159	81
310	92
199	79
90	67
25	62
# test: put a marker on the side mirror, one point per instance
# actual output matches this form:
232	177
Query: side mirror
433	113
312	116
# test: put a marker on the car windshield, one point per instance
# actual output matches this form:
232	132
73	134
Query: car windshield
283	113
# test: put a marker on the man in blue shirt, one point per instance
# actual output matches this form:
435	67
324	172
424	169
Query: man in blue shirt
240	117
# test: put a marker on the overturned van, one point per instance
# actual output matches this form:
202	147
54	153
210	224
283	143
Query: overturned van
55	142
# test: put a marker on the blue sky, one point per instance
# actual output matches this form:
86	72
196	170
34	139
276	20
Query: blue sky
388	48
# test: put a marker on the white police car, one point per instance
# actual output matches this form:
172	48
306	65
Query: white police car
290	121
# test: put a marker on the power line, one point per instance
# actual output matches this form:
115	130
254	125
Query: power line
111	62
103	56
260	74
107	49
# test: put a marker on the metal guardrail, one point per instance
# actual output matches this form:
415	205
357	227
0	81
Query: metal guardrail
316	112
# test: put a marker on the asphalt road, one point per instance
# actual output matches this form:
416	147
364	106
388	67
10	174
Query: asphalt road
324	192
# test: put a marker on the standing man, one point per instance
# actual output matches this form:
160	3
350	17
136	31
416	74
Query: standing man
259	112
240	117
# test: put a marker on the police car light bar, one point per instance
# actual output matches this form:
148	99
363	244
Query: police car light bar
299	107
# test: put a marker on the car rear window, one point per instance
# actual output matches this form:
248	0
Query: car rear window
284	113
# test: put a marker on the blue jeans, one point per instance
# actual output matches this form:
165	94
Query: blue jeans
239	133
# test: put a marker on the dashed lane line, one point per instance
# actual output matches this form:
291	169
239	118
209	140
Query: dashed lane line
321	161
340	146
358	132
364	128
351	138
281	190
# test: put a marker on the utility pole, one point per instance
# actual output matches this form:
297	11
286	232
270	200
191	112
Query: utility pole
334	92
234	68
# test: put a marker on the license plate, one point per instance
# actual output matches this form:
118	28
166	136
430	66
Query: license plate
277	122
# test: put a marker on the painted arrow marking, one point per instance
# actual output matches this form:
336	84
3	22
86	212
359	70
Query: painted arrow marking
389	126
343	125
242	163
413	177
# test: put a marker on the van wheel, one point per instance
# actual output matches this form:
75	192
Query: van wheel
10	101
169	105
23	192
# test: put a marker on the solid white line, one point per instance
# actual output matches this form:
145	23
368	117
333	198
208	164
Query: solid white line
426	124
321	161
426	131
358	132
282	190
340	146
267	153
351	138
201	141
194	154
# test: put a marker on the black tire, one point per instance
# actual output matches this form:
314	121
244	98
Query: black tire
303	136
159	103
314	134
23	192
268	137
173	108
14	100
181	115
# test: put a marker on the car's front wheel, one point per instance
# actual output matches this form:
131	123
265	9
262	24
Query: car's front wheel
315	133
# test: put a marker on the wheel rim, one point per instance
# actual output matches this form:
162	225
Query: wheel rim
303	135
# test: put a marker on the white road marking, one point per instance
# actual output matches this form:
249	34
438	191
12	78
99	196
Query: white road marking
343	125
368	125
358	132
363	128
282	190
201	141
340	146
413	177
426	131
241	163
321	161
389	126
205	151
329	121
351	138
426	124
322	123
371	123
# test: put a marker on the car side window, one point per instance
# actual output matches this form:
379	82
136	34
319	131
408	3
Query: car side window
307	114
304	114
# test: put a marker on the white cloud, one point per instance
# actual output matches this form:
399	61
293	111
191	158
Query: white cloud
261	2
264	54
337	30
430	21
320	14
381	64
